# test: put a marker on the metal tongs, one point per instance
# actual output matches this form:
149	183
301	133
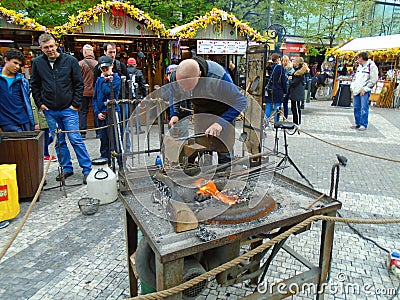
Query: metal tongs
198	135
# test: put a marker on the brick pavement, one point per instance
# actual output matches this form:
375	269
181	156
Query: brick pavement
61	254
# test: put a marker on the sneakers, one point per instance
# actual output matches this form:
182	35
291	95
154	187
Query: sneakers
355	127
64	175
85	176
4	224
51	158
362	128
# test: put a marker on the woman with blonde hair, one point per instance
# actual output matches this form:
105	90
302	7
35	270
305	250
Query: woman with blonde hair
297	88
287	64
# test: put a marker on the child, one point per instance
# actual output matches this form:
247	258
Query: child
102	94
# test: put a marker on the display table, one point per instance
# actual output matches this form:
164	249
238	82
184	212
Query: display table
171	248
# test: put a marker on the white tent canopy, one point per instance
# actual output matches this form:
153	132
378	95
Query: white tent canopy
372	43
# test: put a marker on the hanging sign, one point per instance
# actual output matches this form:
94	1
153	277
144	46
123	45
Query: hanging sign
222	47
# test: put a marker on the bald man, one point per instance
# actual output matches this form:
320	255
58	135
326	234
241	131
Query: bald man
212	93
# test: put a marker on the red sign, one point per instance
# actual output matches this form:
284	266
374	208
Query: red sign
300	48
3	193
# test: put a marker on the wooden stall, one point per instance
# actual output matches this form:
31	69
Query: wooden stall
384	51
19	32
218	36
133	31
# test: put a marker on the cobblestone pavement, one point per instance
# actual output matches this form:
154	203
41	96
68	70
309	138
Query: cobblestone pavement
61	254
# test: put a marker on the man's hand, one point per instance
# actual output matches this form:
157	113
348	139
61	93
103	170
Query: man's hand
43	107
73	108
362	93
173	120
214	130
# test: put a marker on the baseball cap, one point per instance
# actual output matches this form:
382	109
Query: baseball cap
87	47
170	69
131	61
105	61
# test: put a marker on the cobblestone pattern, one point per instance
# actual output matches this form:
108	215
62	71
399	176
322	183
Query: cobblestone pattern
61	254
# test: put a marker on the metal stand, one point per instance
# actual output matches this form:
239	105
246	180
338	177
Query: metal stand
62	183
286	157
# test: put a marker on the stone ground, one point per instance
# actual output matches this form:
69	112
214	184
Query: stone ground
61	254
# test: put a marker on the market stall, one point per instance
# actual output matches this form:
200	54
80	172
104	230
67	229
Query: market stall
20	32
384	51
217	35
134	32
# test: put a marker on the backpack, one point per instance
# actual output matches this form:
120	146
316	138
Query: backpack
118	66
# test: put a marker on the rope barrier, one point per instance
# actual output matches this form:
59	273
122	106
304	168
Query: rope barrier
348	149
242	258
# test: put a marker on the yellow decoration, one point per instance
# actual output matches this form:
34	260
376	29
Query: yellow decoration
383	54
13	17
85	17
213	17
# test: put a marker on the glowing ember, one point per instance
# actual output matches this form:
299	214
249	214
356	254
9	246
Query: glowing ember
211	189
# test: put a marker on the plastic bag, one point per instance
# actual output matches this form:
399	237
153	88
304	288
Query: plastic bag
9	205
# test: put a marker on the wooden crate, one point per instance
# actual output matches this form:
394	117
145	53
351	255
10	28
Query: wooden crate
25	149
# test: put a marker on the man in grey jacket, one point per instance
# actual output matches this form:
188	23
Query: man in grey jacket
364	80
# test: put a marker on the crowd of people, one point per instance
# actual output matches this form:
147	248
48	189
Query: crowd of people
57	98
286	81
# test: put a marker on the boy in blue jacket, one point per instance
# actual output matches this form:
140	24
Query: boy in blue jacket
101	95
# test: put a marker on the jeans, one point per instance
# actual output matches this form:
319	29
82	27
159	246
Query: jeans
105	151
361	109
286	108
48	139
16	128
268	109
66	120
83	112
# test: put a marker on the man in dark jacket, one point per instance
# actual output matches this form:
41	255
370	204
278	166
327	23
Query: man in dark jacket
57	88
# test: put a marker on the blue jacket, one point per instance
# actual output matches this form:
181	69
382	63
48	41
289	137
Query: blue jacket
58	87
279	84
24	86
102	93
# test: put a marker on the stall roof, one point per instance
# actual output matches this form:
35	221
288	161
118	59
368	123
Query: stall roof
372	43
12	17
96	13
214	17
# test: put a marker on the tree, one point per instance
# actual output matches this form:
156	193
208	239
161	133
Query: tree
173	13
337	19
49	12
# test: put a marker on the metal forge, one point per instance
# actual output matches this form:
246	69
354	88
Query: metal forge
195	216
188	230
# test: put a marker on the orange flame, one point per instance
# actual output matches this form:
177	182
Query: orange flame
211	189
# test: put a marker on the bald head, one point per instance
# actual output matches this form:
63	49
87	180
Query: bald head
188	74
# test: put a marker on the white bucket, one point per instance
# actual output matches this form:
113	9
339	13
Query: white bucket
102	182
